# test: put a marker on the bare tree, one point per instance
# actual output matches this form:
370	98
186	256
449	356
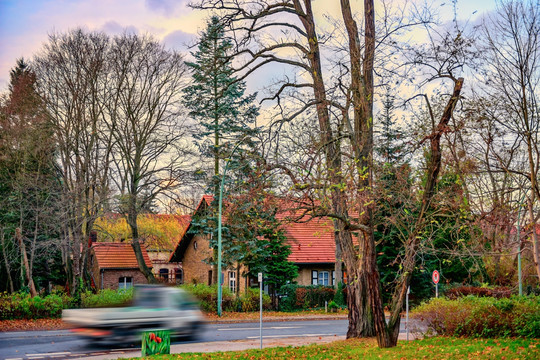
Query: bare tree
73	81
286	33
512	78
147	125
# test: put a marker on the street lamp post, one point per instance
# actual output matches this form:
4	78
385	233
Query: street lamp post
518	231
220	206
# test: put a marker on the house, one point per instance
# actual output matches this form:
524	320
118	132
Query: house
312	244
114	265
159	234
194	251
313	250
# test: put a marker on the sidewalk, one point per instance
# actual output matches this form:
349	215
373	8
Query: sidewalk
239	345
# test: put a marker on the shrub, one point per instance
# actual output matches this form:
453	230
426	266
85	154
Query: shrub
297	297
333	306
340	295
207	296
106	298
250	301
482	316
22	306
496	292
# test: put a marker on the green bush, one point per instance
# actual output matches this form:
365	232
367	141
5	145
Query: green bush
22	306
106	298
250	301
485	317
207	296
298	297
339	297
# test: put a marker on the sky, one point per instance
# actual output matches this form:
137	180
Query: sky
25	24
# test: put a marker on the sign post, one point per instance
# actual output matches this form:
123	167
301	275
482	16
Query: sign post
260	278
407	306
435	276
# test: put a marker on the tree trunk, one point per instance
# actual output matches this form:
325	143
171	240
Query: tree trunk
28	271
389	336
362	99
536	250
338	266
135	243
6	262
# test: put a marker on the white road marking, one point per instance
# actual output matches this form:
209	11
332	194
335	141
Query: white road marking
264	328
286	336
14	359
49	354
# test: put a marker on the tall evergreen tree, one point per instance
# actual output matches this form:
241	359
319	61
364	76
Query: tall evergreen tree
29	187
391	149
216	98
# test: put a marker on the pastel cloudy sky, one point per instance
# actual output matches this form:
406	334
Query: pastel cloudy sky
25	24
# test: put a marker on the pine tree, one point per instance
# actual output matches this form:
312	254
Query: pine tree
216	99
391	148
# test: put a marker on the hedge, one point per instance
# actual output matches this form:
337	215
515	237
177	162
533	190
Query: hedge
486	317
22	306
299	297
207	296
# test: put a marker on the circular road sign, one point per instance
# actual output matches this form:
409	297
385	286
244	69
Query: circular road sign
435	277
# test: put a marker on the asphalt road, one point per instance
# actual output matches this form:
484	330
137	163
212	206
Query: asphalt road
61	344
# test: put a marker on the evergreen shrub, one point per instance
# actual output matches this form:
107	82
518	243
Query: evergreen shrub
485	317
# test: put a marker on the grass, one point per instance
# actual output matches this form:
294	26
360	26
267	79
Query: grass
429	348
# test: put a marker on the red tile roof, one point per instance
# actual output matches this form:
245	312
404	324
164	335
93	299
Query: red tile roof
118	256
312	241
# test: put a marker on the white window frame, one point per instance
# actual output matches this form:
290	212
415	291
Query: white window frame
314	277
124	284
232	281
323	278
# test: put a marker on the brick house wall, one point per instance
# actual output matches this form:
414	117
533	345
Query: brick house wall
160	260
197	271
111	277
305	272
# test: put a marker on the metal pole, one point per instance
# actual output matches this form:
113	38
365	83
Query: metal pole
220	290
520	283
219	293
407	307
437	290
260	309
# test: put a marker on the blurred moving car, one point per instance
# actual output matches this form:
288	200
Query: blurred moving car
153	307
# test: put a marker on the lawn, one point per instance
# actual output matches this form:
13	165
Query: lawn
430	348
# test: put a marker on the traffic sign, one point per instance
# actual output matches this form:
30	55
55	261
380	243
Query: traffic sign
435	276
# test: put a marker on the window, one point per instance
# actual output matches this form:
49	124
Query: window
232	281
323	278
125	282
320	278
209	277
179	276
164	274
